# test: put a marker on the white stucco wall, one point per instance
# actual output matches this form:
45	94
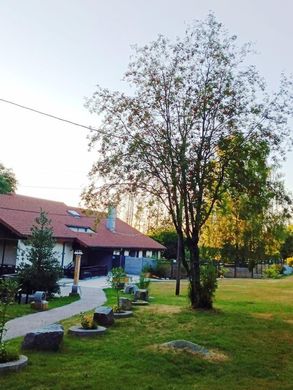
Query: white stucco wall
68	252
10	252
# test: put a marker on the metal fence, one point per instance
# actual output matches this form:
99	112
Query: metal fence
135	265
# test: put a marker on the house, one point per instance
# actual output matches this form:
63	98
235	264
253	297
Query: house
104	242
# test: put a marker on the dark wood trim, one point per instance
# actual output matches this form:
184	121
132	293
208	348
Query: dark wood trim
3	253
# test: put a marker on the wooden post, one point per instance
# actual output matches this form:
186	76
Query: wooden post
3	256
78	255
178	275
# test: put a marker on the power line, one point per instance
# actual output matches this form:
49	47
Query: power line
50	115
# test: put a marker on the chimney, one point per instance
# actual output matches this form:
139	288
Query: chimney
111	219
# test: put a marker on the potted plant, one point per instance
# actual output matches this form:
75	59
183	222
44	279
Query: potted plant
88	327
9	361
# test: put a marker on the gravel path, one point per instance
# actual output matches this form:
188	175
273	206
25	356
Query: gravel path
90	297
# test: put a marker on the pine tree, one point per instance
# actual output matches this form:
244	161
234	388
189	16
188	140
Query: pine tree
40	271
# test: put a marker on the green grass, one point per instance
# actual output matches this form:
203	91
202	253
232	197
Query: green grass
19	310
252	324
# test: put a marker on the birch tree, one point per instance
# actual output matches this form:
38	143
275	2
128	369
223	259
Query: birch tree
190	106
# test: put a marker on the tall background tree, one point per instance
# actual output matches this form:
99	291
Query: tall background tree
8	180
192	105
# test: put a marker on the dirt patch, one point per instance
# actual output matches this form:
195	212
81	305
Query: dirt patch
163	309
263	316
289	322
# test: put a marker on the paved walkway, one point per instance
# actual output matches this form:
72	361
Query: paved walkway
90	297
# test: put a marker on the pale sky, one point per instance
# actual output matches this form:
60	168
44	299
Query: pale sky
54	52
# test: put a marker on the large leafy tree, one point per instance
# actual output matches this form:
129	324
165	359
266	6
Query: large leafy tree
255	204
40	269
192	105
8	181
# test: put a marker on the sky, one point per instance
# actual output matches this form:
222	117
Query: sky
54	53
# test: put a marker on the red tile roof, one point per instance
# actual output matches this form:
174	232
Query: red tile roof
18	213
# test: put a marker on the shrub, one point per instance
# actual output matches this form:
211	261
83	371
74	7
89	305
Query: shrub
289	261
162	269
8	289
143	281
208	285
87	321
273	272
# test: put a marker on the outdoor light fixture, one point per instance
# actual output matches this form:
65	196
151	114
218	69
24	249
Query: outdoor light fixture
78	254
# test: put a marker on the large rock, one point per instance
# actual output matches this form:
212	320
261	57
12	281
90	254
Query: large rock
141	295
125	303
104	316
48	338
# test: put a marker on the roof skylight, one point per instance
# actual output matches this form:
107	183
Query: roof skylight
73	213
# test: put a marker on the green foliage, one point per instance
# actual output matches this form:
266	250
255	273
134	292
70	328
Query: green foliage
194	105
87	321
8	289
162	269
168	238
8	181
274	271
117	278
287	247
251	323
144	282
208	285
40	270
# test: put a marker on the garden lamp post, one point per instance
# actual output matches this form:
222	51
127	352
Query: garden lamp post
78	255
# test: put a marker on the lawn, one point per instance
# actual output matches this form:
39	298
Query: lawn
252	325
18	310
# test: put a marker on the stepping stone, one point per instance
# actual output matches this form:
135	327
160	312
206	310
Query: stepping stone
48	338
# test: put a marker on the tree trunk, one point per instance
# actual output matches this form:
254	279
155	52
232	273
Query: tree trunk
194	276
178	260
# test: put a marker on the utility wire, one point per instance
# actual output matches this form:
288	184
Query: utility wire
50	115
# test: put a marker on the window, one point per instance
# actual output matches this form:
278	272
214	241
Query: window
81	229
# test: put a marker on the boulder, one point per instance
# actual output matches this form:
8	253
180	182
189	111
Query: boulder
125	303
104	316
141	295
48	338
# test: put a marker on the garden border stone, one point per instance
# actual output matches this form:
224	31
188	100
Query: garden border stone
81	332
14	365
123	314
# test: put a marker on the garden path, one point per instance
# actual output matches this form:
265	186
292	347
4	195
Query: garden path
90	297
